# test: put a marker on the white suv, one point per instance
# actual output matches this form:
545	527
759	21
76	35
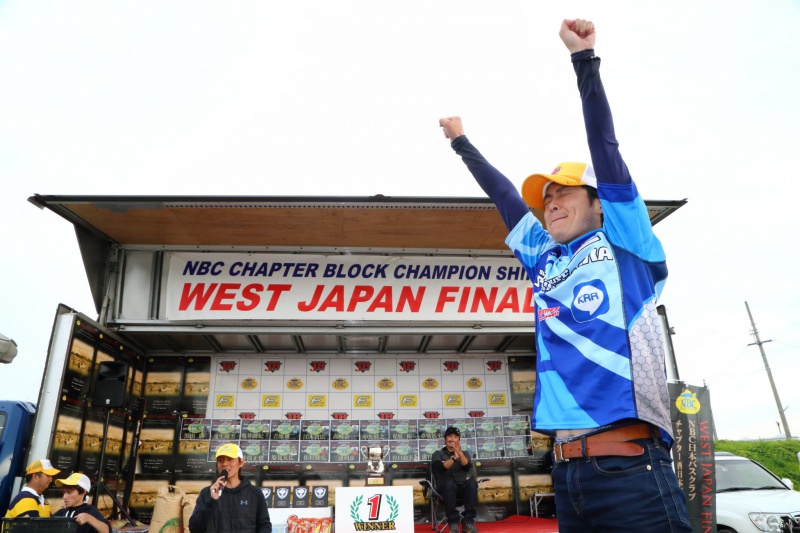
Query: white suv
750	498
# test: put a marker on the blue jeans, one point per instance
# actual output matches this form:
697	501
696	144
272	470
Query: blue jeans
617	494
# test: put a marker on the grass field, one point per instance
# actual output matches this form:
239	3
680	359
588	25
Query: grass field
779	456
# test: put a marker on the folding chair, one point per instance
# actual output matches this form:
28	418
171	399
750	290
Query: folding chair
437	502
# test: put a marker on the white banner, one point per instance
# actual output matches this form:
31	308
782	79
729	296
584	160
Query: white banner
374	509
229	286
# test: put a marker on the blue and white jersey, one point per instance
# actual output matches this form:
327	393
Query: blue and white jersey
600	355
600	349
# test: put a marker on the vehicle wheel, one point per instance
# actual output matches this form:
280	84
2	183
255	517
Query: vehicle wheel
725	530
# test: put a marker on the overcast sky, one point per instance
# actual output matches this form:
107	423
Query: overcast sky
343	98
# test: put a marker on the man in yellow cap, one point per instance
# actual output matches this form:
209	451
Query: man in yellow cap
231	504
75	488
597	270
30	500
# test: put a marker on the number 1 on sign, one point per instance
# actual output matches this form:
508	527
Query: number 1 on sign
374	506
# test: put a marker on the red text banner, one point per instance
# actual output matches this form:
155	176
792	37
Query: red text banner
217	286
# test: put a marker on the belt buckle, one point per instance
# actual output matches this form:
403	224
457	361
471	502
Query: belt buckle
560	447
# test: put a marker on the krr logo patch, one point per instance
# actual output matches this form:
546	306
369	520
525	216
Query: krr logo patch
590	300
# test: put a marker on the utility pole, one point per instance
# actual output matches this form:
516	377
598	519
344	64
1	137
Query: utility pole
760	344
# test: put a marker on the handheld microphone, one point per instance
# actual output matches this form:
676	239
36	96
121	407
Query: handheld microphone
224	475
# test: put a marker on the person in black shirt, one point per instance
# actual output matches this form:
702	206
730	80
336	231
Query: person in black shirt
89	519
231	504
455	477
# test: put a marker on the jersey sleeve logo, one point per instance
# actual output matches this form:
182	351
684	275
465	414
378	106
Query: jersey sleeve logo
590	301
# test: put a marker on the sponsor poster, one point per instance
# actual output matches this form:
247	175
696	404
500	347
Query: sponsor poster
385	508
144	494
226	429
403	429
345	451
374	429
78	371
490	426
404	450
517	446
66	439
465	425
489	447
256	429
156	443
427	447
496	497
315	451
196	386
195	429
315	430
319	496
269	496
162	387
522	370
301	497
192	457
255	451
282	497
344	430
432	428
285	429
516	425
92	438
534	485
284	451
693	452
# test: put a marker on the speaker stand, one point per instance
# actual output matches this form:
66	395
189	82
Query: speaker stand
100	485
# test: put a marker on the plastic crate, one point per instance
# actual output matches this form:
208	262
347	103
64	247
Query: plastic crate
35	525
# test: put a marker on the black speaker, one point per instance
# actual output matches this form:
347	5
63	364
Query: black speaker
109	391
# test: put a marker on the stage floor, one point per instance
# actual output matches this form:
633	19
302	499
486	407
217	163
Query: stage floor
512	524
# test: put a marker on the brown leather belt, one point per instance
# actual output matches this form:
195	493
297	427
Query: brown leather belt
611	442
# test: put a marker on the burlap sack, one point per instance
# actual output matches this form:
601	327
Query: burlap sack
189	500
168	510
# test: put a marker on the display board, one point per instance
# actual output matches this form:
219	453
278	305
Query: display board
361	388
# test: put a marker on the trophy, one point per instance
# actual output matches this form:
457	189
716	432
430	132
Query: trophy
374	456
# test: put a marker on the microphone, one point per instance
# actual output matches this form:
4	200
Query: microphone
224	476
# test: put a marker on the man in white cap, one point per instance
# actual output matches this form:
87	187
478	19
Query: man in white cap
30	500
75	488
231	504
597	271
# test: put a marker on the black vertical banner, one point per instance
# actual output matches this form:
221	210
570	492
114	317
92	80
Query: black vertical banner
693	452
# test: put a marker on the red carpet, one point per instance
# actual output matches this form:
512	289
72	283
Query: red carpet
512	524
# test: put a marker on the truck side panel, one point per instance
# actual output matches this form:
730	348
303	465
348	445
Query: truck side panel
16	423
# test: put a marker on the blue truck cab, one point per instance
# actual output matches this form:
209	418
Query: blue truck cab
16	426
